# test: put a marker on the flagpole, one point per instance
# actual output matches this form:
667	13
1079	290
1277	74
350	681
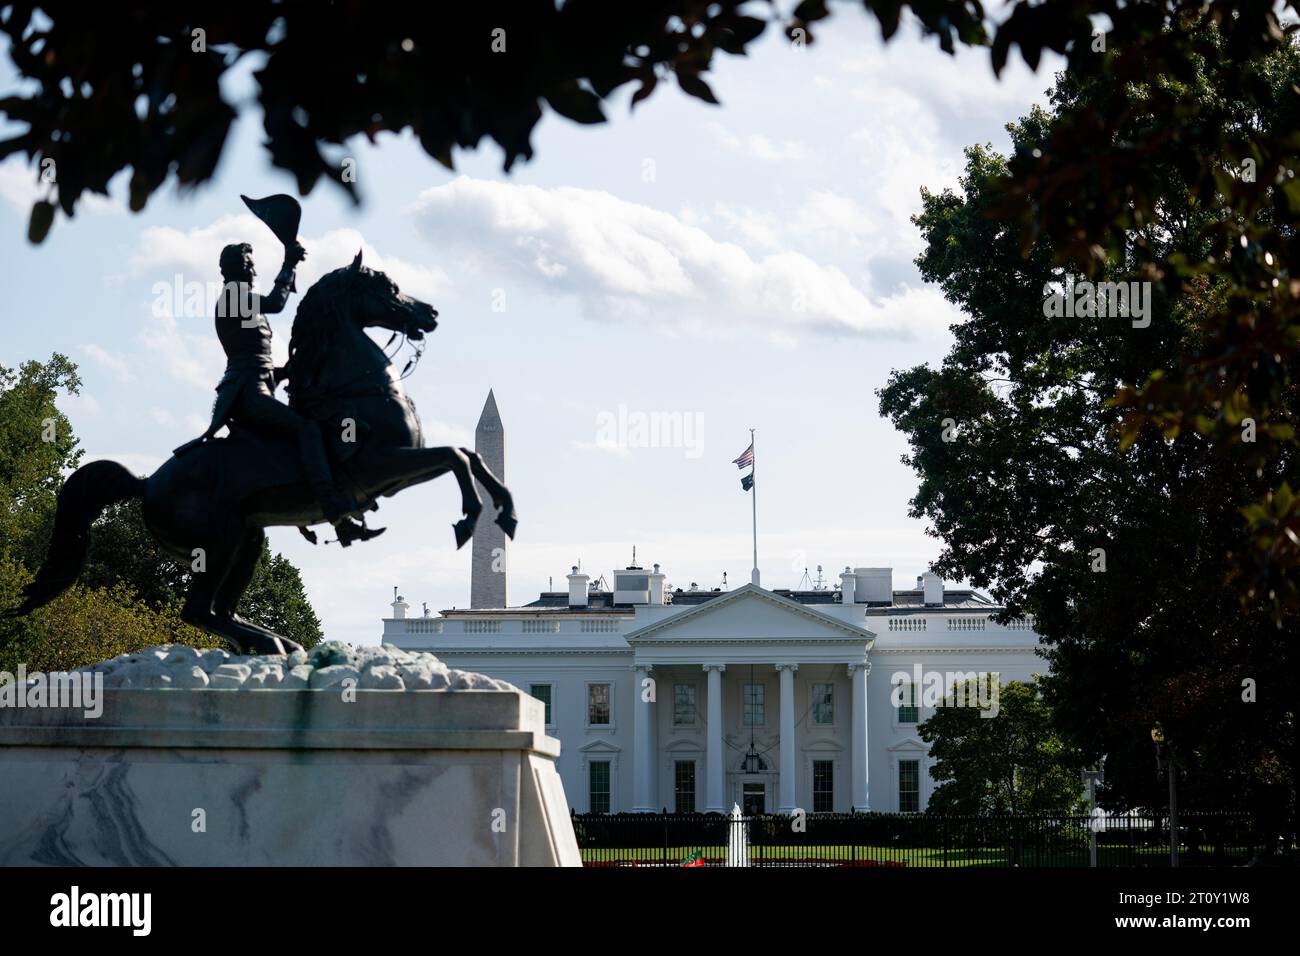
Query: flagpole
753	494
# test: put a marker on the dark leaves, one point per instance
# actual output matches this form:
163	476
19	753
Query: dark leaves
696	87
644	90
113	91
38	227
573	102
810	10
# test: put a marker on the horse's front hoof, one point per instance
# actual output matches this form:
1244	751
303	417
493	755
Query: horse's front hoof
464	529
507	522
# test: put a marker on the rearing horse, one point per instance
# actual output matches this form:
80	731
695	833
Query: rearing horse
208	506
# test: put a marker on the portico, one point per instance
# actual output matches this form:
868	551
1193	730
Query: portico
745	652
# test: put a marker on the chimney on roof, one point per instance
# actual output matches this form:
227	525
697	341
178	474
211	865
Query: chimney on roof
400	607
848	586
578	588
932	588
657	585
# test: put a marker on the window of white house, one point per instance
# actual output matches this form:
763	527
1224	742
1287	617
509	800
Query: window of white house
755	707
823	786
543	693
683	703
909	713
599	786
823	703
598	704
684	786
909	786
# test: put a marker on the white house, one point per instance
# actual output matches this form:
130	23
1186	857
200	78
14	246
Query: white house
695	700
699	699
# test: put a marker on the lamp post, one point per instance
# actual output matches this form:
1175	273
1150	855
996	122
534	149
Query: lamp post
1090	779
1171	769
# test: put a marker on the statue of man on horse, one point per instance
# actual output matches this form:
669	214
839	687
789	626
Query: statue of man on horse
246	392
348	437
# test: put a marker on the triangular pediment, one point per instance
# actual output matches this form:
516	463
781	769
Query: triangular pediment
910	745
600	747
749	613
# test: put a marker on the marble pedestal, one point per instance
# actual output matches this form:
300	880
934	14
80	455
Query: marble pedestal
329	776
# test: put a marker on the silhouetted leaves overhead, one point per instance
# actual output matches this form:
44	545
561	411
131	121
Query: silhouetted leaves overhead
138	86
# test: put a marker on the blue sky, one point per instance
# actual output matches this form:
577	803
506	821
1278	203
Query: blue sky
748	266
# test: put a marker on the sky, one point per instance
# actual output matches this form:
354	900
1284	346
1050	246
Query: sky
734	267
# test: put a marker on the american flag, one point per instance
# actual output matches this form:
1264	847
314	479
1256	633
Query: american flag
746	458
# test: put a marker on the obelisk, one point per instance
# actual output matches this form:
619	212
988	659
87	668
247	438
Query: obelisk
490	562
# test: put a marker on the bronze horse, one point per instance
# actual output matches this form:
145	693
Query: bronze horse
207	507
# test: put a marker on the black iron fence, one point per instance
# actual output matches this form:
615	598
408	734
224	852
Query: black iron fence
899	839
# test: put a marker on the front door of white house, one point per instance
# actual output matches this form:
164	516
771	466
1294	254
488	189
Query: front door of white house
753	799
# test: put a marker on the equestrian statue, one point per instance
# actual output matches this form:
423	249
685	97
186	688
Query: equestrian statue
348	436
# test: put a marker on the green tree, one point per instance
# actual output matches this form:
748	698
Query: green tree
1012	762
122	549
83	626
276	599
1119	542
36	448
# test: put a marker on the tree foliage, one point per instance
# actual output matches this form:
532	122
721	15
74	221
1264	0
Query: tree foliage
1012	762
1120	541
277	600
36	448
84	625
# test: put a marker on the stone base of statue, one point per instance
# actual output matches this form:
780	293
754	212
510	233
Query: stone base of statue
346	757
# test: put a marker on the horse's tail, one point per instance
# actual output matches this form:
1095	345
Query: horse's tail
84	496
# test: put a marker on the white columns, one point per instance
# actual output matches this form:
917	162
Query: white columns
786	797
858	765
713	752
643	760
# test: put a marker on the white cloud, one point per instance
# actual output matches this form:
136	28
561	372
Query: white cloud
755	228
759	146
192	355
182	269
20	186
79	407
834	214
605	445
164	251
909	82
163	417
824	220
337	248
440	434
112	362
625	260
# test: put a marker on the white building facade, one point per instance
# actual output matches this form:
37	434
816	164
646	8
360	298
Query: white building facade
696	700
